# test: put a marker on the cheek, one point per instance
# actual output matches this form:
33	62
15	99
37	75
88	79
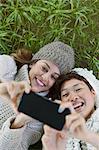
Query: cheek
90	99
64	99
31	73
85	94
51	83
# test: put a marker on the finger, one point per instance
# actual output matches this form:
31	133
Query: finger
75	126
17	88
13	89
23	86
46	142
57	101
64	105
52	132
27	87
16	99
62	134
46	129
49	131
50	99
70	119
22	119
25	118
10	88
14	108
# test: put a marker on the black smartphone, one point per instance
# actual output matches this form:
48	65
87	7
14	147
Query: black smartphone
43	109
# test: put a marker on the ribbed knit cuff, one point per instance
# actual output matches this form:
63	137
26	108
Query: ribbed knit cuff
8	133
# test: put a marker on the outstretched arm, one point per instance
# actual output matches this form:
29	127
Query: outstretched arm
53	139
21	138
75	124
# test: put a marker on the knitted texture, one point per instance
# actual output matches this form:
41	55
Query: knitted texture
93	125
6	111
21	138
59	53
8	68
93	81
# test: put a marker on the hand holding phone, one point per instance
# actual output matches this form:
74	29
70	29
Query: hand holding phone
42	109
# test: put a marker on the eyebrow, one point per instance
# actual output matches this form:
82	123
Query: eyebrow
47	65
49	68
73	86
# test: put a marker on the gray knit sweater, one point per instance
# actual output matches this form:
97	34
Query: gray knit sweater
15	139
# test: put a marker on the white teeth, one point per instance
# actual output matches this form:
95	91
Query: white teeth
78	105
40	83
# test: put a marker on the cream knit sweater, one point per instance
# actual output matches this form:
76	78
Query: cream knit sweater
15	139
93	125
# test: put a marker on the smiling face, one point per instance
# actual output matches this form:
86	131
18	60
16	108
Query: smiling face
43	75
79	94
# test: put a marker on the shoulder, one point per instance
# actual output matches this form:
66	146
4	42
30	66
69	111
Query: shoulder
96	114
93	121
6	59
8	67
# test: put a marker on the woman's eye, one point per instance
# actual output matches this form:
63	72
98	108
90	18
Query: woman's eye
78	89
44	69
65	95
53	77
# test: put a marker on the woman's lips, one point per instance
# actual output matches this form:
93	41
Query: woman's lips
40	82
78	106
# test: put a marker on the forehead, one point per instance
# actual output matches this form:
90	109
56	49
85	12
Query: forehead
72	83
49	64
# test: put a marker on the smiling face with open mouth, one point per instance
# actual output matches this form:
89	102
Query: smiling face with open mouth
43	75
79	94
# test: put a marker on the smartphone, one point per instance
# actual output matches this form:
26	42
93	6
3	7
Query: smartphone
43	109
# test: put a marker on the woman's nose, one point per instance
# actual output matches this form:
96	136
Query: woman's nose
45	77
73	96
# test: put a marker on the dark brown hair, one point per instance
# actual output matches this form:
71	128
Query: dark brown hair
23	56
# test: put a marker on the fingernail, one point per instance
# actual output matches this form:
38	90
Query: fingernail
50	99
61	109
27	91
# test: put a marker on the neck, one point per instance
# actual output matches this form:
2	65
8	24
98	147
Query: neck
90	114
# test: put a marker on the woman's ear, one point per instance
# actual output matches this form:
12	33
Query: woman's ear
30	66
93	92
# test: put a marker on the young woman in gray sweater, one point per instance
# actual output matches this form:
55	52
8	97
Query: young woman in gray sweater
17	75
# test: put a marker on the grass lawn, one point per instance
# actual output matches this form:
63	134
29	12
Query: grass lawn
34	23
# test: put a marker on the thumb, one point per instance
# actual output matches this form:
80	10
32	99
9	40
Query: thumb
27	87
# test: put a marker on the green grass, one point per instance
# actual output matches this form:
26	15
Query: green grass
34	23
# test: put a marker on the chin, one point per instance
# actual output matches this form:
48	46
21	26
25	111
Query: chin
36	90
